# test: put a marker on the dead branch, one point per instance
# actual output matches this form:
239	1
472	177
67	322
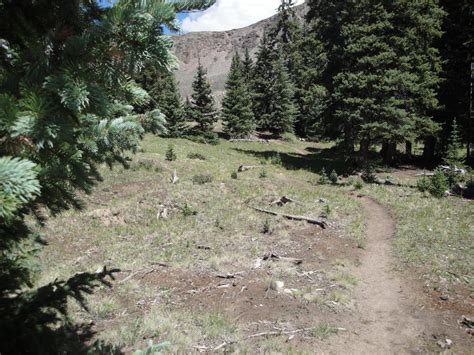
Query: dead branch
274	256
322	224
174	178
243	168
229	275
279	332
145	271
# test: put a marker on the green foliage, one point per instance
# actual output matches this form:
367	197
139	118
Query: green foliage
438	184
204	137
170	154
152	349
263	174
383	72
202	105
66	105
233	175
368	174
326	211
18	185
333	177
423	184
276	159
453	156
237	111
267	226
188	211
358	184
197	156
202	179
323	177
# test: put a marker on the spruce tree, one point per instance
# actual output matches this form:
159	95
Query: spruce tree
263	77
237	111
204	112
66	106
453	155
169	102
282	107
247	68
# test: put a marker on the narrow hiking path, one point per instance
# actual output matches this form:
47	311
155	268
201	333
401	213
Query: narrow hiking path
389	318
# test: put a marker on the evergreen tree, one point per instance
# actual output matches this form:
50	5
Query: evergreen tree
204	112
282	107
169	102
453	155
457	51
237	111
247	68
382	70
263	77
66	105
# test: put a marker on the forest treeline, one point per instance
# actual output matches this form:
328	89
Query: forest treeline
364	73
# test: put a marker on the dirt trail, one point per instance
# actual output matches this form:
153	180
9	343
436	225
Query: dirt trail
387	319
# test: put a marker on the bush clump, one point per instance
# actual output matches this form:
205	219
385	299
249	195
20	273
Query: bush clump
170	154
323	177
197	156
423	184
276	159
368	174
438	184
263	174
202	179
333	177
358	183
234	175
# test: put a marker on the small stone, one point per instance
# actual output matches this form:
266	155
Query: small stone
444	297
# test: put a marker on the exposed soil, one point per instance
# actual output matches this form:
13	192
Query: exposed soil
392	316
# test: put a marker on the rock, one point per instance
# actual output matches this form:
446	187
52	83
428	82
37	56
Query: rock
444	297
279	285
445	344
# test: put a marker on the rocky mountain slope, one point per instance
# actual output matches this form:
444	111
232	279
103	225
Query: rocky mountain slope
215	51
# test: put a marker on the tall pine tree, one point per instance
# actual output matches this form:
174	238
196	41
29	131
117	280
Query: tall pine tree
170	104
283	111
237	111
203	107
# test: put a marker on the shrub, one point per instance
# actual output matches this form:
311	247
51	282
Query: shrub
368	174
323	177
234	175
187	211
276	159
289	137
358	184
326	211
197	156
438	184
333	177
263	174
267	226
423	184
170	154
202	179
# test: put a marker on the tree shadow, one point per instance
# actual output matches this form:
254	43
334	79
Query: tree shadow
315	161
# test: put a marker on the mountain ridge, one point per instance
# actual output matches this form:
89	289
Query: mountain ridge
215	50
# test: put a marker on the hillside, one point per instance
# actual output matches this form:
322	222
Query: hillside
215	50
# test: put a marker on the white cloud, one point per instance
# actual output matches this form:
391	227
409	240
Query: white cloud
231	14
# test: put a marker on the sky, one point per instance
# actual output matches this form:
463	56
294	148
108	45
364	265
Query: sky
226	15
230	14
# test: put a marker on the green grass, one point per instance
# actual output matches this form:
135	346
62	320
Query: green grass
120	228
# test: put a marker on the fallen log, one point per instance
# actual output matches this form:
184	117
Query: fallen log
250	140
322	224
243	168
274	256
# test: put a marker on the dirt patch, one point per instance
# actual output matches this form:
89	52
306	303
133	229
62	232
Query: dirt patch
392	317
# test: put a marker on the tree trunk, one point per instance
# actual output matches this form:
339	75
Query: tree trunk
388	152
429	149
364	150
409	149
